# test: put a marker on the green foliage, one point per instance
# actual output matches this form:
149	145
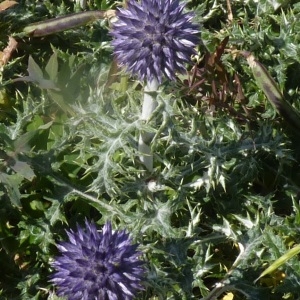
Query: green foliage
219	214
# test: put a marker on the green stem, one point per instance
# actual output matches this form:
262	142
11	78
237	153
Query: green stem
149	105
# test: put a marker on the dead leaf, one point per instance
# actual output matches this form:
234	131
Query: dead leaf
7	4
7	52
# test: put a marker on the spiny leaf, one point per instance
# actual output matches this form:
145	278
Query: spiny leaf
36	76
52	67
11	184
34	71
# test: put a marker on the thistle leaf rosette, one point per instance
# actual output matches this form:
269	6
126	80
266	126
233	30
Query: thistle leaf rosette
98	265
154	38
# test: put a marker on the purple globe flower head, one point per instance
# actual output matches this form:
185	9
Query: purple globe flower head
98	265
154	38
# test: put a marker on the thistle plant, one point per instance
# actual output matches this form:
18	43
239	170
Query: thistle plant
153	39
98	265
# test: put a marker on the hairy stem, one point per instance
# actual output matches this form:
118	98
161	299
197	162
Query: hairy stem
149	105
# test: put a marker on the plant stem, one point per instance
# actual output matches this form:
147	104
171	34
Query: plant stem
149	105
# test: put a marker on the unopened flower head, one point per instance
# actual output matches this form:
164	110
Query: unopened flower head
98	265
154	38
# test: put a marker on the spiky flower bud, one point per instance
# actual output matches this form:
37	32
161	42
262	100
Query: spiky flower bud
98	265
154	38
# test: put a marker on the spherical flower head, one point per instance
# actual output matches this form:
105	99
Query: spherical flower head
98	265
154	38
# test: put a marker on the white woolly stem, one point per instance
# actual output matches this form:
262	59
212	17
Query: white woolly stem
149	105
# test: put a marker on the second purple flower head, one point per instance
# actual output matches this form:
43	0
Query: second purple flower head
98	265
